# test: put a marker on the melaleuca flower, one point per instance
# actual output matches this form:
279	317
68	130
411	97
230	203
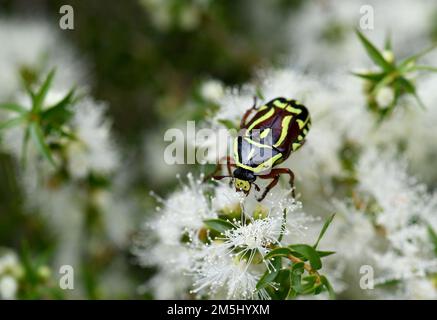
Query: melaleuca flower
92	150
328	30
248	240
34	46
219	241
10	273
219	274
387	224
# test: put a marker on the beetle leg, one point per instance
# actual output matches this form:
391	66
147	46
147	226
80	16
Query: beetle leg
275	174
269	186
248	112
218	168
291	178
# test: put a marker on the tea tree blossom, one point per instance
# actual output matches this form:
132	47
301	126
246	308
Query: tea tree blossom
221	243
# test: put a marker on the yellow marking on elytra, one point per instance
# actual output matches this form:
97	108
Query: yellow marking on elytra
251	154
293	110
236	150
263	166
260	145
295	146
299	138
284	131
261	119
280	104
265	133
262	108
303	123
300	123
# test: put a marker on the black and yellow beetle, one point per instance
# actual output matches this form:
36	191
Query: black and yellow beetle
277	129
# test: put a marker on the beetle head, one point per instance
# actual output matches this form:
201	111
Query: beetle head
242	185
243	180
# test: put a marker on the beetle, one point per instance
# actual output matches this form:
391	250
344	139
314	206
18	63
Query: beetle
267	139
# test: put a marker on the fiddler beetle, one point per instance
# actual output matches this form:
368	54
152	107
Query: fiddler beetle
277	129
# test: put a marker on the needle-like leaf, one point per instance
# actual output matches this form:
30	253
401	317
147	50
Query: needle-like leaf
38	137
12	122
12	107
42	93
374	53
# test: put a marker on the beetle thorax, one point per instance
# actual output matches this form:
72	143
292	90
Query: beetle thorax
244	174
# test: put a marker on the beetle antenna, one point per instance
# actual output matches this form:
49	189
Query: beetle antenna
220	177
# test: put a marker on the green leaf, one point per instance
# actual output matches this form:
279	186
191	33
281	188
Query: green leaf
407	85
411	89
12	122
388	44
328	287
433	236
325	253
283	225
269	276
412	59
324	228
371	76
219	225
297	271
258	93
42	93
278	252
374	53
59	113
425	68
24	146
309	253
284	281
38	137
13	107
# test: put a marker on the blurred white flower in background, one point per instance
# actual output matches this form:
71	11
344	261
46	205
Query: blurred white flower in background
93	149
170	13
322	31
386	225
35	46
212	90
10	273
88	180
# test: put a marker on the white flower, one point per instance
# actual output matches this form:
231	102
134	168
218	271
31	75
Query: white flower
227	266
10	271
254	237
218	274
94	151
421	289
325	27
226	198
212	90
8	262
35	45
386	178
385	97
386	224
8	287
